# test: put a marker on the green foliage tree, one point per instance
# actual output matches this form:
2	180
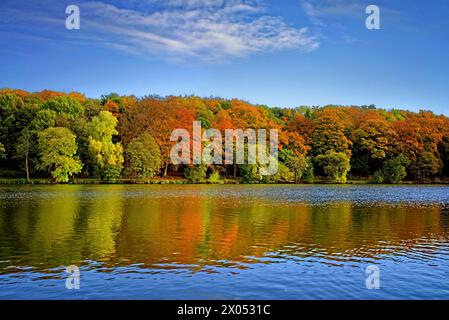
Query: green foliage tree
44	119
372	140
196	173
443	151
23	149
215	178
299	166
309	176
250	173
378	177
66	107
335	166
395	169
14	115
114	97
107	156
283	175
142	157
426	167
57	148
2	151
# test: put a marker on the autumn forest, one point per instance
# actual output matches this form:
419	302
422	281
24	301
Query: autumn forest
51	136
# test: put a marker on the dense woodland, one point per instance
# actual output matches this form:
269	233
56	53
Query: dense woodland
116	138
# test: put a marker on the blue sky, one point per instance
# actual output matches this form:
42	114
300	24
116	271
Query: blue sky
282	53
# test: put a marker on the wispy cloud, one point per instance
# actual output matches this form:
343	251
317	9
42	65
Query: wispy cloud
338	15
177	30
322	8
323	12
318	10
211	30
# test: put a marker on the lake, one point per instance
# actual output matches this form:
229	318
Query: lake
224	241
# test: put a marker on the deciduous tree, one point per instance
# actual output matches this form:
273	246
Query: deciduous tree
142	157
107	156
335	165
57	148
395	169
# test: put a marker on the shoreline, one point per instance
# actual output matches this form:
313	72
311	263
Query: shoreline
91	181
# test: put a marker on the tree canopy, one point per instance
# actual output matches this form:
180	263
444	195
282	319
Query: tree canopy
57	149
126	136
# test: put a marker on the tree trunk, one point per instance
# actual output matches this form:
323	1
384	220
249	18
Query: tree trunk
166	169
26	167
235	170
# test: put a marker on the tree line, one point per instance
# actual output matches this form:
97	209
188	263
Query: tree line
55	135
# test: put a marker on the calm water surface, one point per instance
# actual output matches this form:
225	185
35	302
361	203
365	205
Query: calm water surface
224	242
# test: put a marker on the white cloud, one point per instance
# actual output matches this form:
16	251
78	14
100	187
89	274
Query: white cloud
212	30
320	9
331	18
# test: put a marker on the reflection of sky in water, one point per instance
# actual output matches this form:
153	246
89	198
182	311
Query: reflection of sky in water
224	241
